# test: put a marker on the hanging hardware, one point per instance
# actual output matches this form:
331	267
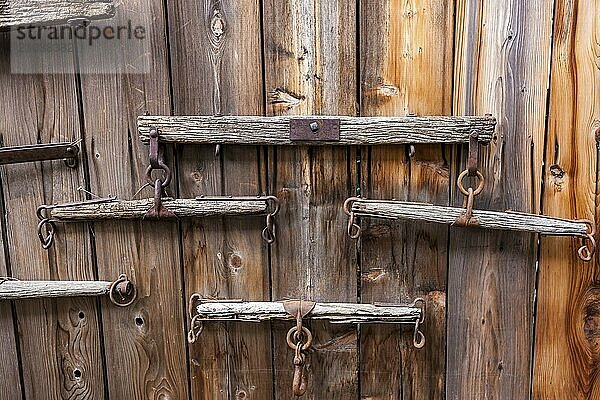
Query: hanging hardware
356	207
299	338
110	209
203	309
121	292
315	129
268	233
40	152
256	130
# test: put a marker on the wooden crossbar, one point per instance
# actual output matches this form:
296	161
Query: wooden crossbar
345	313
507	220
137	209
256	130
15	290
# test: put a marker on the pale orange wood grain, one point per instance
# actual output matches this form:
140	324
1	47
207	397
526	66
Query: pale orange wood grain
567	349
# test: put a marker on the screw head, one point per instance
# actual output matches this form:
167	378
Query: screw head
314	126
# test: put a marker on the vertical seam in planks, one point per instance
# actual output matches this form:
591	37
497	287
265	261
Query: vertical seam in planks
92	238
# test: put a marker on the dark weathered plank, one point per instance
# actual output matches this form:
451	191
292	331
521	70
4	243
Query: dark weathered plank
36	12
310	58
406	67
59	338
567	323
220	42
502	55
352	130
145	343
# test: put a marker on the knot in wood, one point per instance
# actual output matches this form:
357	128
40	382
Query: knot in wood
217	24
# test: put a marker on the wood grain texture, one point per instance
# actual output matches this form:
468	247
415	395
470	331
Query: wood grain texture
137	209
501	67
66	345
310	59
37	12
567	328
15	290
406	68
220	41
343	313
486	219
353	130
145	342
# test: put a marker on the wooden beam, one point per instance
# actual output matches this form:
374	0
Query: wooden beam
37	12
512	221
18	290
353	130
137	209
343	313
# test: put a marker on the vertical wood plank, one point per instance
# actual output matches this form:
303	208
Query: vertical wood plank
10	368
310	59
224	258
406	67
58	337
145	343
567	329
501	67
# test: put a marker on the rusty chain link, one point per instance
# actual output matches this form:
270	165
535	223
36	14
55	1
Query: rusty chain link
588	242
353	229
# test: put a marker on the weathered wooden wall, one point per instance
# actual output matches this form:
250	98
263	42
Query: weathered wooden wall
508	316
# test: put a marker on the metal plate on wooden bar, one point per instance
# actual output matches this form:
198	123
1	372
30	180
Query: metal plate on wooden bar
315	129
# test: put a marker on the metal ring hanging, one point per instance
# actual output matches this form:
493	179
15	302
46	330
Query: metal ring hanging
293	332
122	292
476	191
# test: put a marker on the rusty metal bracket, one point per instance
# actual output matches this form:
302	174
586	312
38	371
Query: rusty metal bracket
315	129
66	151
158	210
298	307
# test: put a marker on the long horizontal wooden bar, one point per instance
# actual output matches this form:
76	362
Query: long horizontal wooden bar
137	209
485	219
44	12
257	130
257	311
15	290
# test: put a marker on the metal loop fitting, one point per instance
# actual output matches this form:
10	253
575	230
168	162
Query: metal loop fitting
157	161
588	247
354	230
122	292
418	335
461	177
47	239
299	338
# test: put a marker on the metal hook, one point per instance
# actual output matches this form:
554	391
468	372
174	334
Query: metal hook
588	248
